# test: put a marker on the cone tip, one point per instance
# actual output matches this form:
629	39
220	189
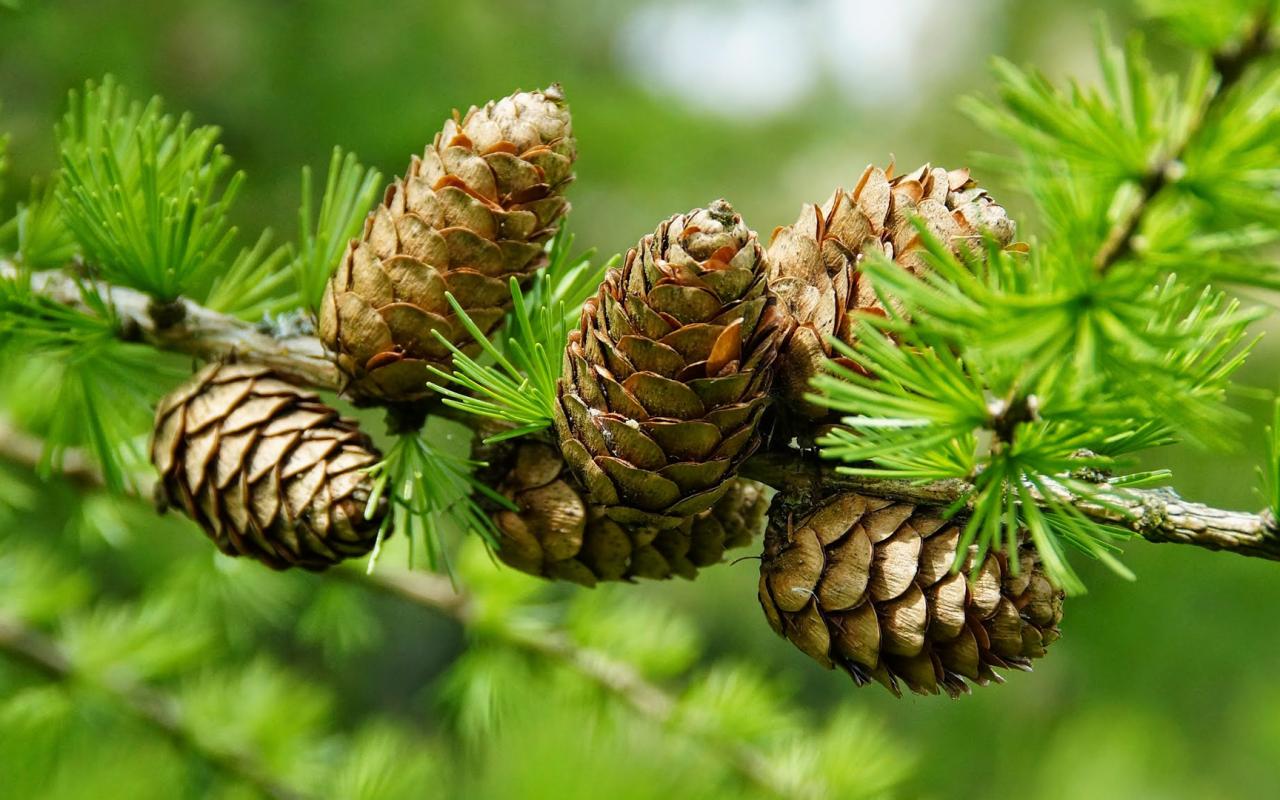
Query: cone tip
722	210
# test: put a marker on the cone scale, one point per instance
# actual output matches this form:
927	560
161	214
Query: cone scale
813	263
266	469
473	212
556	533
866	585
669	371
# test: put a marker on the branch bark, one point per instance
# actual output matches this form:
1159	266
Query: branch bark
153	707
1158	515
195	330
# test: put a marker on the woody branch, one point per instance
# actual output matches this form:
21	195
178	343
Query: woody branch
1155	515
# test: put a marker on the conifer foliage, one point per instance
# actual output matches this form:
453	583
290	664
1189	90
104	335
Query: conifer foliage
983	385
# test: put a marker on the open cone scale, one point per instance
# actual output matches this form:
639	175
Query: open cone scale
813	263
266	469
866	584
557	533
669	372
473	212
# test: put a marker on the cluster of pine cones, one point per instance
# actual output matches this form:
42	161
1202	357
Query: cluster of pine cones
688	350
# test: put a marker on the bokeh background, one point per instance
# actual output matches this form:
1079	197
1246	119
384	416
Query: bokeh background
1163	688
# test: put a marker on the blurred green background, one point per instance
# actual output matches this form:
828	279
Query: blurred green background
1164	688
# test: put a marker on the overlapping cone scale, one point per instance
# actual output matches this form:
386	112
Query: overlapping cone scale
556	533
866	585
474	211
670	369
814	261
265	468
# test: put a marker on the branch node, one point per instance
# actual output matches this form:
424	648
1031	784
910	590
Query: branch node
167	314
406	418
1154	514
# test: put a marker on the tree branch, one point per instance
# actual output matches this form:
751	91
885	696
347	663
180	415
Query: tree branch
153	707
1230	64
195	330
1155	515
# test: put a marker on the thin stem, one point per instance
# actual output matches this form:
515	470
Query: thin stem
1230	64
159	710
437	593
616	677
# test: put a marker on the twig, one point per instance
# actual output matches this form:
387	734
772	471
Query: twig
197	331
1158	515
437	593
156	708
1230	64
19	447
616	677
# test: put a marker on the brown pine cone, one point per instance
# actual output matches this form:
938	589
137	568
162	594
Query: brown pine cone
865	584
558	534
265	468
813	263
670	370
468	216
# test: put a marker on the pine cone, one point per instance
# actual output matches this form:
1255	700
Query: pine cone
474	211
865	584
814	262
558	534
670	370
266	469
